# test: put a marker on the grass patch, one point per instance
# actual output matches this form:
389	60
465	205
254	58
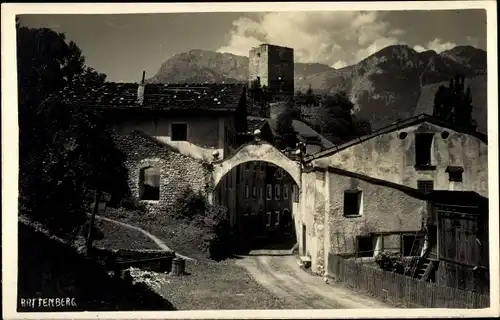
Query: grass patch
114	236
221	285
182	236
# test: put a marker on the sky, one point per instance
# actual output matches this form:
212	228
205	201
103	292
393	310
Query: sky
123	45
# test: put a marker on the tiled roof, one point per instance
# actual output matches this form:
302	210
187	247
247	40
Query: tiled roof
305	133
210	97
254	123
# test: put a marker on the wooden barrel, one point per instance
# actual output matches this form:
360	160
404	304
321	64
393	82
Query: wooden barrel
178	266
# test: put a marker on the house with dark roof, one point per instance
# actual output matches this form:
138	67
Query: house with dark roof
199	120
167	132
379	193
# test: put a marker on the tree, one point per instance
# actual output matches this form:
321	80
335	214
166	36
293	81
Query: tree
66	151
286	134
334	119
454	103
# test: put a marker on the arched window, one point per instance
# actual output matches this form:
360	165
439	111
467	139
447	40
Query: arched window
149	183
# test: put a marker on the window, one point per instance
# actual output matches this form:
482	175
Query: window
179	132
423	144
247	192
352	202
269	193
277	191
261	193
425	186
285	191
149	184
410	245
254	192
268	222
455	173
364	246
277	221
279	174
296	194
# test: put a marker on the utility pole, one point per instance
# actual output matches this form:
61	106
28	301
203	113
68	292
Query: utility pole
92	221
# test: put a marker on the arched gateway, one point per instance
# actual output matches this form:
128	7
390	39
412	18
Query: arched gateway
257	151
262	212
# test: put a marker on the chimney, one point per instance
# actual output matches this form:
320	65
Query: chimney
140	89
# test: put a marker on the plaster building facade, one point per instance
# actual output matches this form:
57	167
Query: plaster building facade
362	197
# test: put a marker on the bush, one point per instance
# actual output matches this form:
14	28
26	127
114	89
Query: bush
131	203
394	262
220	240
189	204
211	220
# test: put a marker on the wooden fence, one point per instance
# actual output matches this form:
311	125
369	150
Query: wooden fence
402	289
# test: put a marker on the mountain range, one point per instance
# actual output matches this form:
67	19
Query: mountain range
394	83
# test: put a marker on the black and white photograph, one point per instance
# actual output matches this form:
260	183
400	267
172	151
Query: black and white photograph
290	157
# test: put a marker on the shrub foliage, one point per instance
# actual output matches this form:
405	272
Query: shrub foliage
213	220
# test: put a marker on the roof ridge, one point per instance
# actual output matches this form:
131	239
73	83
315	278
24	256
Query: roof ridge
396	126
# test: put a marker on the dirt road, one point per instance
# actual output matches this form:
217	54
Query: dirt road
282	276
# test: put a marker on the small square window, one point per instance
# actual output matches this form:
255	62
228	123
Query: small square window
455	173
179	132
425	186
352	202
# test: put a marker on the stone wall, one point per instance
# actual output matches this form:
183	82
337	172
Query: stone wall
177	171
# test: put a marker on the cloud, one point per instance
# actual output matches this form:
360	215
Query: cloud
334	38
339	64
437	45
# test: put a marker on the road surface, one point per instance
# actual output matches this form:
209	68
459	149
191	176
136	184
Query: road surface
284	278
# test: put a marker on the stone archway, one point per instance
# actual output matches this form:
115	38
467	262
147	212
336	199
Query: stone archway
257	151
249	208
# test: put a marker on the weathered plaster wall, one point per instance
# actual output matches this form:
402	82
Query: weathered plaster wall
390	158
205	133
307	216
177	171
258	64
384	209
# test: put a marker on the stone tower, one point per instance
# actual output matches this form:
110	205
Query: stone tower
273	67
